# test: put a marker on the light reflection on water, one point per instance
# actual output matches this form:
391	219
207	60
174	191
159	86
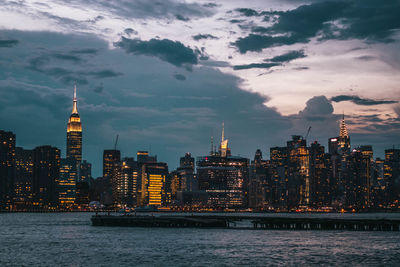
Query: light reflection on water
68	239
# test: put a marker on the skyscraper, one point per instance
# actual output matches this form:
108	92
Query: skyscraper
319	176
155	185
110	158
299	172
46	172
358	182
260	188
224	179
7	162
279	176
392	175
23	178
124	182
67	182
74	132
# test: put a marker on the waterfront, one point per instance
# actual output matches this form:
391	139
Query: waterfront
68	239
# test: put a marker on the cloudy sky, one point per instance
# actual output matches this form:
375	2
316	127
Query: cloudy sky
165	74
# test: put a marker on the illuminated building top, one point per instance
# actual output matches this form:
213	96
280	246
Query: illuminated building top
74	122
224	143
343	129
74	132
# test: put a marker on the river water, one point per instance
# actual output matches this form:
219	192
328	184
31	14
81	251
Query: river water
68	239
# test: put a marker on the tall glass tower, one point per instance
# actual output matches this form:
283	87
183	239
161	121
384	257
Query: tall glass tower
74	133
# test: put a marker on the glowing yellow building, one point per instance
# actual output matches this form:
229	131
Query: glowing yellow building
67	182
74	132
155	184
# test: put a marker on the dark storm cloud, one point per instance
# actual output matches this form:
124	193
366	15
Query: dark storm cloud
256	65
68	74
256	42
173	52
210	5
237	20
182	18
361	101
85	51
8	43
130	31
366	20
317	108
297	25
103	74
248	12
289	56
66	57
204	36
273	62
180	77
371	20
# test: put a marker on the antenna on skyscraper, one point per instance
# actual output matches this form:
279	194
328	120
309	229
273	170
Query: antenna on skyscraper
75	90
212	145
116	142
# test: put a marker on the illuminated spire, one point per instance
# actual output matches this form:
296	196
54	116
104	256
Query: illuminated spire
75	102
343	128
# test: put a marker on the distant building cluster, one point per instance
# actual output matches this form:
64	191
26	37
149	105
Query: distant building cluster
297	177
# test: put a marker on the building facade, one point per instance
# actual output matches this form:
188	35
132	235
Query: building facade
23	178
7	168
67	183
46	172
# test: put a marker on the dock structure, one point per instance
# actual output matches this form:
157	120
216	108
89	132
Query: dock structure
254	222
158	221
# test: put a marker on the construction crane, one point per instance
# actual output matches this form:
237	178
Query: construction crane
116	142
308	132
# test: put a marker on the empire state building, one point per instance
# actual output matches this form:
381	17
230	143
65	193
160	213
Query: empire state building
74	133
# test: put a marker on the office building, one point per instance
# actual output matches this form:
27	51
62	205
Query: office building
67	182
319	177
46	172
23	178
298	185
392	176
7	168
155	185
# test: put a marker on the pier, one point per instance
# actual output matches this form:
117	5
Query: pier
250	222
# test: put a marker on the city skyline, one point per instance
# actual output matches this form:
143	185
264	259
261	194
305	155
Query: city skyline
73	148
155	132
165	75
